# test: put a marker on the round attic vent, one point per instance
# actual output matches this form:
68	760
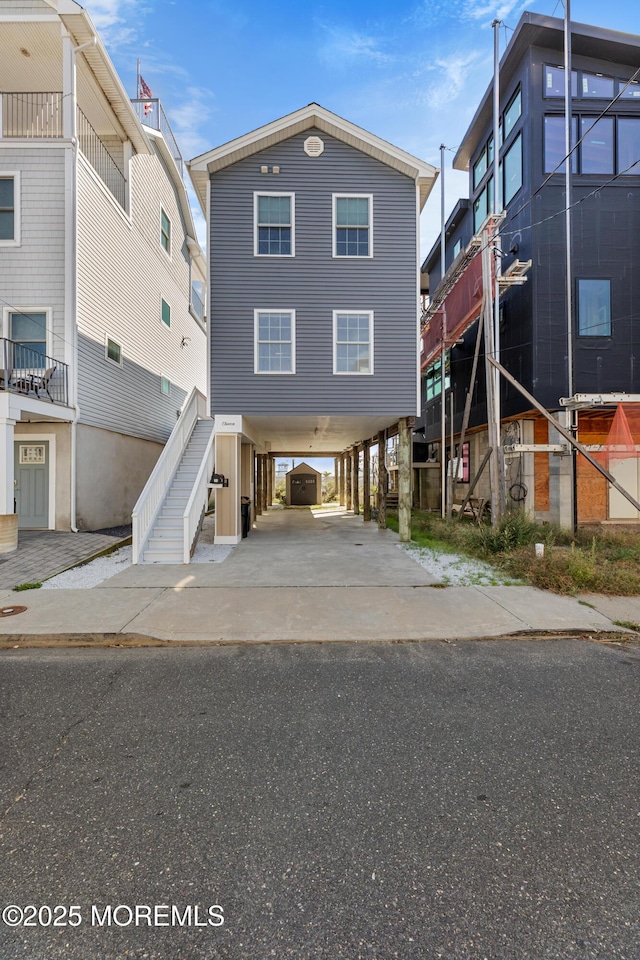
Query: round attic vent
313	146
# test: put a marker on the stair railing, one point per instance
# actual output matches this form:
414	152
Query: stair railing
150	501
197	504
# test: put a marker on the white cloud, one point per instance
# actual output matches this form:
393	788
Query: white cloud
188	119
342	46
490	9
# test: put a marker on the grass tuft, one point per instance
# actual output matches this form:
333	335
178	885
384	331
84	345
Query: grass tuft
594	561
27	586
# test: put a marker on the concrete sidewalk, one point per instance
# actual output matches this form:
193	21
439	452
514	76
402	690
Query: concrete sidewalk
298	577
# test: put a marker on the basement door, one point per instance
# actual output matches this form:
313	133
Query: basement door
31	473
627	473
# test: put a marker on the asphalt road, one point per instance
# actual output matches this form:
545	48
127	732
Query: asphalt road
470	801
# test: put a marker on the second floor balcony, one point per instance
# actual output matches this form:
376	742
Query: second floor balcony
38	116
29	371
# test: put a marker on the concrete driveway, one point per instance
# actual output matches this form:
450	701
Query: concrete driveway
298	577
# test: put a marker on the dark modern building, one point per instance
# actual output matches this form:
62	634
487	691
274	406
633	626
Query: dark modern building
605	164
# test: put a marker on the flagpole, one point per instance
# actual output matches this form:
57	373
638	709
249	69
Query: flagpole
137	79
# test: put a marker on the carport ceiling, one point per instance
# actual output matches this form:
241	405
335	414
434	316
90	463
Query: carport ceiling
316	435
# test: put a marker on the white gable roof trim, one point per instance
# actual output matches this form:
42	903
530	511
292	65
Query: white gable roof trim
308	117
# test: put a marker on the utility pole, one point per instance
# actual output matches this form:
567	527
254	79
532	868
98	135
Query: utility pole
443	355
498	492
569	259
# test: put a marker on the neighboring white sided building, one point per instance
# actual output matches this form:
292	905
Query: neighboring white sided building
101	278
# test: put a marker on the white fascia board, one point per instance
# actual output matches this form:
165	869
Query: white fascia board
178	183
79	25
310	116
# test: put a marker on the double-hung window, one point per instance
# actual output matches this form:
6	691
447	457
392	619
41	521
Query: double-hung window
352	225
352	341
275	341
28	331
9	209
165	232
274	219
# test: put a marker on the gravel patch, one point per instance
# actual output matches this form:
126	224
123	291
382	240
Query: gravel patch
91	574
454	570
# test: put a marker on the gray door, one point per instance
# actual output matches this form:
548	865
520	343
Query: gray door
303	490
31	472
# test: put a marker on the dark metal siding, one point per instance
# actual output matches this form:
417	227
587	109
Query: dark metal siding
313	284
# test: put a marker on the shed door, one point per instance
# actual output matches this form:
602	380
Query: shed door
32	484
303	490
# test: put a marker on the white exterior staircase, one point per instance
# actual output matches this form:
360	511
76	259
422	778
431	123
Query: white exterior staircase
166	543
168	515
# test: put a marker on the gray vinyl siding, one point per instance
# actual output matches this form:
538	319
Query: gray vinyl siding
314	284
32	274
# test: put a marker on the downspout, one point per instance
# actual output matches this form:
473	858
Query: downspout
73	227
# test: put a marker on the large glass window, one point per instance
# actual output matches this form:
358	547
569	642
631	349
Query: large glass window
483	205
512	169
275	341
274	225
512	113
596	150
594	308
596	87
29	334
554	82
480	168
629	145
352	342
7	209
554	148
433	386
629	91
352	226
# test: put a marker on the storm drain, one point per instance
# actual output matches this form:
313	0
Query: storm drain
11	611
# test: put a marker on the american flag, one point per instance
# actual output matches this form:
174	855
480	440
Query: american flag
146	93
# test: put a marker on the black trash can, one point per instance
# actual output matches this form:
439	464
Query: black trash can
245	509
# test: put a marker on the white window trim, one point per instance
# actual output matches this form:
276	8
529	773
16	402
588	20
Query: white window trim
167	253
17	205
106	351
350	373
168	392
274	193
7	311
334	226
256	358
166	326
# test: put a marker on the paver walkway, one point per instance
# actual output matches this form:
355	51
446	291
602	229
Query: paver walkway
43	553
